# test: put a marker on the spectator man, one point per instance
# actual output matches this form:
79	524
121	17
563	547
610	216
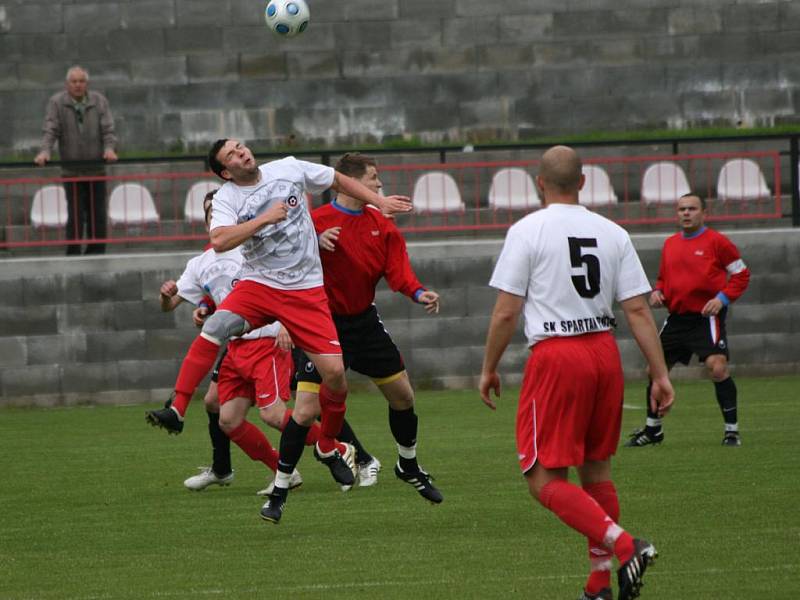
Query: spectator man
81	123
564	266
701	273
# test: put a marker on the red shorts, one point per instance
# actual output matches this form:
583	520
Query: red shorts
304	313
570	404
255	369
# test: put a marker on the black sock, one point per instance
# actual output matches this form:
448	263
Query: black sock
220	447
293	442
348	436
653	420
403	424
726	398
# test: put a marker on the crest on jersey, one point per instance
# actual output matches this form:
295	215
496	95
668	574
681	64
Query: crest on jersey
291	201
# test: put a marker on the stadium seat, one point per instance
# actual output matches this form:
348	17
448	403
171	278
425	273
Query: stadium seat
193	208
597	190
741	179
664	182
131	204
49	207
436	191
513	188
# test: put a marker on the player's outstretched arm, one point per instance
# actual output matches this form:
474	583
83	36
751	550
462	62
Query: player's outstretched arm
355	189
643	327
501	329
228	237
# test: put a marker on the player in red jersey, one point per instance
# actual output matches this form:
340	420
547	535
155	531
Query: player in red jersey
701	274
359	247
565	266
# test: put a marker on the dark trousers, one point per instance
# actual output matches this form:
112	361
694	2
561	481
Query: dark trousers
86	214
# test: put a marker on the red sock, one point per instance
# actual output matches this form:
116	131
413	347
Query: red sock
580	511
313	431
332	407
198	362
605	494
255	444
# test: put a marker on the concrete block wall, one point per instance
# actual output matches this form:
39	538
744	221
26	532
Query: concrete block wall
188	71
89	330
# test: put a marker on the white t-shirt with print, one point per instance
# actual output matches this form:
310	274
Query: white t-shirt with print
284	255
215	274
570	265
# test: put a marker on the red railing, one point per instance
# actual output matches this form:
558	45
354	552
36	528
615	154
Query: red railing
147	208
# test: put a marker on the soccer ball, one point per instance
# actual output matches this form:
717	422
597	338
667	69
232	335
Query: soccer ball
287	18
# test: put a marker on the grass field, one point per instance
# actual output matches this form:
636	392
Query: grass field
92	506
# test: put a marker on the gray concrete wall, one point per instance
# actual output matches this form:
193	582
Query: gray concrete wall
89	330
183	72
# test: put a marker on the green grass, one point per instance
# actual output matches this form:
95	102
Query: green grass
92	506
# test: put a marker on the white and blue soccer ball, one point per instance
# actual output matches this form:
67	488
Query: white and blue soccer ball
287	18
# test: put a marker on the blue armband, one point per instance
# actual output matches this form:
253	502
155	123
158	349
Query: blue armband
724	299
418	293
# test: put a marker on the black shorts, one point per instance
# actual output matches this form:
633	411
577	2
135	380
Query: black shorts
684	335
367	348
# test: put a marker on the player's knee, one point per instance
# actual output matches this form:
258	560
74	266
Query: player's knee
335	379
229	422
223	325
273	415
211	402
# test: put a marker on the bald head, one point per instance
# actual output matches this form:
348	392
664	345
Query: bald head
560	170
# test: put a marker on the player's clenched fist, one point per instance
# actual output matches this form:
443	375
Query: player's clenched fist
275	213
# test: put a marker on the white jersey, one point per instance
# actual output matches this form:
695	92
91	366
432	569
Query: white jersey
215	274
570	265
284	255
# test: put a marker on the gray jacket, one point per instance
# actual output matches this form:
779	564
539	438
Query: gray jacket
61	125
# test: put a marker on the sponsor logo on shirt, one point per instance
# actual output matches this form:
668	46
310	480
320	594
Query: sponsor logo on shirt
375	232
698	252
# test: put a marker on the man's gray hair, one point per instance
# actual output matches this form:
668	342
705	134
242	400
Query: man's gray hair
77	68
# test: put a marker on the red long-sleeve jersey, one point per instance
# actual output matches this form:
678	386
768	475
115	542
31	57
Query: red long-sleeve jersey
696	269
369	247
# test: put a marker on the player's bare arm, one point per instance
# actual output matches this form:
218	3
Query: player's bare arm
328	238
229	237
501	329
643	327
344	184
430	300
169	296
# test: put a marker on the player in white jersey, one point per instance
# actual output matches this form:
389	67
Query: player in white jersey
264	209
564	266
256	369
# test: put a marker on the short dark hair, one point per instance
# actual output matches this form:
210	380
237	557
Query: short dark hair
694	195
207	200
213	162
354	164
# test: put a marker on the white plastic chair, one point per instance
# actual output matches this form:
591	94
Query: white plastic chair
131	204
513	188
436	192
193	208
741	179
49	207
597	189
664	182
